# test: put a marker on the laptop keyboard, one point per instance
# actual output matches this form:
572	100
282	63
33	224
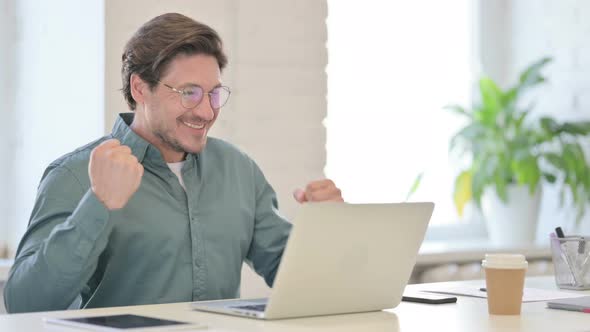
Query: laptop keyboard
252	307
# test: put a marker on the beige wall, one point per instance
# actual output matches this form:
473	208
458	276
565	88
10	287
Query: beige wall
277	59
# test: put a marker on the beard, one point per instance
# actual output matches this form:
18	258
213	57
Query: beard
170	142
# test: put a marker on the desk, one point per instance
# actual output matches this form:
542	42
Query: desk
468	314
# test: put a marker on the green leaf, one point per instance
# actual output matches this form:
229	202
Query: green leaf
478	185
555	159
572	166
415	185
467	135
549	125
500	183
531	75
483	172
459	110
520	119
573	186
581	174
510	96
569	158
492	99
579	128
462	193
485	116
580	159
550	177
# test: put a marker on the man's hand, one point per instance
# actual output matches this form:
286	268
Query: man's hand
319	191
115	174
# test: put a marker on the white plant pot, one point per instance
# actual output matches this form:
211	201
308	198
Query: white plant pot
511	224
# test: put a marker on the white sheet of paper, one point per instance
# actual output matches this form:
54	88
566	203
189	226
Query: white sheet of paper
529	294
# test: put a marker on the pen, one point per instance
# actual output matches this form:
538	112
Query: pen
559	232
565	255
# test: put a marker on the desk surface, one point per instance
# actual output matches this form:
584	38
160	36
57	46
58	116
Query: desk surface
468	314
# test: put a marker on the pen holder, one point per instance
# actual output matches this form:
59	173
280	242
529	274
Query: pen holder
571	262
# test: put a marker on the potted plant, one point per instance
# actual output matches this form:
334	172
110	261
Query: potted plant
512	153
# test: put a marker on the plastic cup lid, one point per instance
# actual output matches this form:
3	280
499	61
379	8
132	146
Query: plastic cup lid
504	261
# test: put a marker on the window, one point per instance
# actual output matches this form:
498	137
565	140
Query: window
392	66
52	95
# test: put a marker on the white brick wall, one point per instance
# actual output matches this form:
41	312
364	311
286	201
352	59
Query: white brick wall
277	60
559	29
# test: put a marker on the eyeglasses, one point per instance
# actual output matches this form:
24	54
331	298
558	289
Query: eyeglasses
192	96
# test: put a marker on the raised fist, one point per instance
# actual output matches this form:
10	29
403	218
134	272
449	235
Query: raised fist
115	173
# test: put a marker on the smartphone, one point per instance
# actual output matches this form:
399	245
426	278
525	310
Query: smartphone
428	298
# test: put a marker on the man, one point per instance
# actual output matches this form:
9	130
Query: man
155	212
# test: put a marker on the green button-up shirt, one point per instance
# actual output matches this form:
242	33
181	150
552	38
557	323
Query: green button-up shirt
165	245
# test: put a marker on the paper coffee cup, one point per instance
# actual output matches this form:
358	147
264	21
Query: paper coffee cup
504	282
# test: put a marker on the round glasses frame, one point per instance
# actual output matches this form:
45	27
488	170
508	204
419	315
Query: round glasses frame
188	104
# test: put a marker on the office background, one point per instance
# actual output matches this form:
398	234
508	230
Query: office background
60	64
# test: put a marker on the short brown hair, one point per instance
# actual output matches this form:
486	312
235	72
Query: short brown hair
158	41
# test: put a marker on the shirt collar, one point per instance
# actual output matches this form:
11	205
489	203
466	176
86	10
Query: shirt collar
140	148
122	131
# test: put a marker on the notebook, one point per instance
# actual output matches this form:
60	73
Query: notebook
576	304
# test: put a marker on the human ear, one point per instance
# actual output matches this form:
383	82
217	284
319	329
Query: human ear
138	88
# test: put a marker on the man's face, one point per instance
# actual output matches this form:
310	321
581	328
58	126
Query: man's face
172	128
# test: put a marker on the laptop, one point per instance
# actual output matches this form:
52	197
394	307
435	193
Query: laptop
340	258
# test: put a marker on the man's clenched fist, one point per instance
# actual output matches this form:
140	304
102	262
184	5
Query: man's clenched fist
319	191
115	173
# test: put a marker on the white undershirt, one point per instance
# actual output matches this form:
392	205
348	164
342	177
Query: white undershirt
176	168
